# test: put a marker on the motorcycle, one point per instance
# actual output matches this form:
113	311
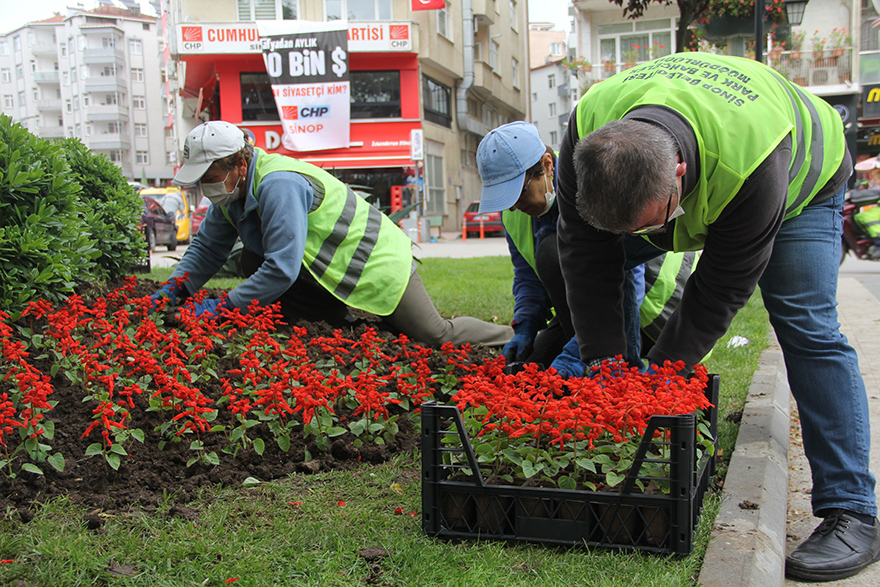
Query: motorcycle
854	238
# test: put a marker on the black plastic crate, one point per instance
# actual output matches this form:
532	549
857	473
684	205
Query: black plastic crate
653	523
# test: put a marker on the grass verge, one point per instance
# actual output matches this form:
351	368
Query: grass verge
313	530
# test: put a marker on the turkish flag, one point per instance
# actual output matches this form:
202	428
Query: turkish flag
427	4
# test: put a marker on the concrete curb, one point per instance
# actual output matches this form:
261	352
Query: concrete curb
747	547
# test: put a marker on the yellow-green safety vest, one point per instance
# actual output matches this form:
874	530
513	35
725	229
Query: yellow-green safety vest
352	249
719	90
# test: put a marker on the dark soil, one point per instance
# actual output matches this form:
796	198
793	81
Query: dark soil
148	474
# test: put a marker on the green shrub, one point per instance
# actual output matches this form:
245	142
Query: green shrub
111	210
44	247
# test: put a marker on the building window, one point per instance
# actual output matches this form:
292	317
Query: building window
76	102
108	42
110	99
88	130
551	81
557	49
534	96
493	55
138	103
443	27
357	9
436	184
514	20
437	101
146	26
268	9
140	129
554	137
19	72
113	128
8	102
257	100
65	78
135	47
6	75
4	48
514	71
115	156
142	157
68	105
552	109
137	74
651	38
16	44
375	94
86	100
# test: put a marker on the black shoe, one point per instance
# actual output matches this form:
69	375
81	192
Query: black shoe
839	547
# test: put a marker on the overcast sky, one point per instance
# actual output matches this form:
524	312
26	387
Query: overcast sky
18	12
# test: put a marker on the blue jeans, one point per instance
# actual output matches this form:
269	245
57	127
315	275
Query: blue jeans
799	288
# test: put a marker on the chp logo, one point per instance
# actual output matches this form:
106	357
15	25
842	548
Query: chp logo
399	36
299	112
192	38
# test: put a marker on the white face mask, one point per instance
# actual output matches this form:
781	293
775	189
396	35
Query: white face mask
549	197
217	194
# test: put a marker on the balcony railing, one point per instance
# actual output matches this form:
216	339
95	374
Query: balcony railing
819	68
46	76
54	104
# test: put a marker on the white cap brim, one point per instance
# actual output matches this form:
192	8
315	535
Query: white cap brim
191	173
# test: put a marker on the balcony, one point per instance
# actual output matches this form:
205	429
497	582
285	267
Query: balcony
104	55
54	104
106	83
51	132
107	112
46	77
814	69
484	12
44	49
109	141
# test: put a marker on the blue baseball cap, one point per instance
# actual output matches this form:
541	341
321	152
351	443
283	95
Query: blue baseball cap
503	157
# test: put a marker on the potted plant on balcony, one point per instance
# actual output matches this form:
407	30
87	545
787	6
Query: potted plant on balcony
631	56
610	65
579	64
732	18
818	43
839	41
796	43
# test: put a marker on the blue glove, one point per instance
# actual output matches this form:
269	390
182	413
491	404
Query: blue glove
170	291
520	346
568	363
210	307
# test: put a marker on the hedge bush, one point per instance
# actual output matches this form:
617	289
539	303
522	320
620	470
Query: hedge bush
65	217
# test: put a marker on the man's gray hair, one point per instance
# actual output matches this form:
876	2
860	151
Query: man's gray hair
621	167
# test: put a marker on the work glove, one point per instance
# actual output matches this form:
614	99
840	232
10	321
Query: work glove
211	307
170	291
568	363
520	346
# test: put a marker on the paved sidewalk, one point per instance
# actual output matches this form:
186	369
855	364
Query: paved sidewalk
768	467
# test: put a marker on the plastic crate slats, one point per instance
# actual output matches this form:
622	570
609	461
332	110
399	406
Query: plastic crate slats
654	523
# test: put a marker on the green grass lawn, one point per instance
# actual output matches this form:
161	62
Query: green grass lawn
259	537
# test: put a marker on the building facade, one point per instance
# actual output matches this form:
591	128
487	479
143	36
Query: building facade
554	87
452	74
93	75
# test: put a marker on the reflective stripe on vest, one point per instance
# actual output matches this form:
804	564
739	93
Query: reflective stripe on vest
665	278
709	91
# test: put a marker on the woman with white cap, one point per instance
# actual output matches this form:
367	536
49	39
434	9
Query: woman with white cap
517	170
309	242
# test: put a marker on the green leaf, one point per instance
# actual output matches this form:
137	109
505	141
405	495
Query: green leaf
31	468
566	482
138	435
283	442
251	482
586	464
192	462
56	460
113	460
119	449
613	478
93	449
334	431
259	446
196	445
212	458
529	469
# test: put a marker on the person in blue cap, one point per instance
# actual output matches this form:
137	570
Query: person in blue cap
518	174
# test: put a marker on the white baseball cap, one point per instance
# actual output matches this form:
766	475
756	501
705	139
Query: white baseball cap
205	144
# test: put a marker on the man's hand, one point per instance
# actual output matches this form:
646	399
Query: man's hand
210	307
520	346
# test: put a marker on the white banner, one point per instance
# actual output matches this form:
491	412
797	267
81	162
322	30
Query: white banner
307	63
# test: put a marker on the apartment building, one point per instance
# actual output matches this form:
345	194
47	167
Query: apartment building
554	87
451	75
94	75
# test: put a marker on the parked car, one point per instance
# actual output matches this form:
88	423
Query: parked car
160	227
199	214
173	199
491	221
